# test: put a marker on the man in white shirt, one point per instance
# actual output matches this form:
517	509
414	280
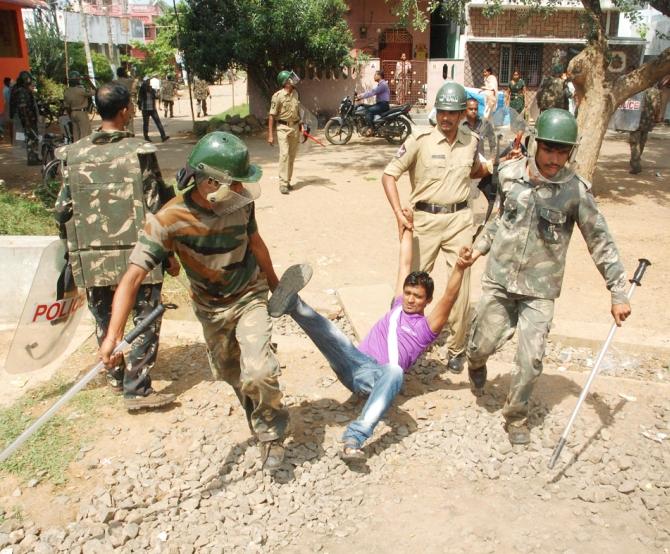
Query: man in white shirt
490	88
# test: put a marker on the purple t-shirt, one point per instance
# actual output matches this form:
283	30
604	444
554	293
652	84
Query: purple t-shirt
381	91
414	336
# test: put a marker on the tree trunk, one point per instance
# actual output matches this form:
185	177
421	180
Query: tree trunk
87	46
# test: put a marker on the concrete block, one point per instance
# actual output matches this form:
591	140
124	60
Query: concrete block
364	305
20	256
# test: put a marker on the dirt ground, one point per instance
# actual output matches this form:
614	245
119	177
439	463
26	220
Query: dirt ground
441	476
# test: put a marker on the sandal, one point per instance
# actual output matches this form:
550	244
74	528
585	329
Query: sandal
352	451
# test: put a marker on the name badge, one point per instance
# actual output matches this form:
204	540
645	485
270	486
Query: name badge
439	156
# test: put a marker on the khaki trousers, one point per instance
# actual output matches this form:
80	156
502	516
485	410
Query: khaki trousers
447	233
287	137
81	124
239	352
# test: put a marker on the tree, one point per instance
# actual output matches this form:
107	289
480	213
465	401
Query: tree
264	37
601	94
160	53
45	49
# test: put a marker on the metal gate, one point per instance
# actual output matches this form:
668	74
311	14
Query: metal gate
406	86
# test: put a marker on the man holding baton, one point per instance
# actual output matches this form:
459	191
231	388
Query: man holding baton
542	200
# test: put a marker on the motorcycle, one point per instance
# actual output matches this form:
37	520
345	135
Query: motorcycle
394	125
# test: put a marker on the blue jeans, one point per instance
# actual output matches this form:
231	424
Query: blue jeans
355	370
376	109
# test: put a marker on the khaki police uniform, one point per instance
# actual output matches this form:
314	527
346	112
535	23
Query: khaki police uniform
131	85
439	174
285	108
76	101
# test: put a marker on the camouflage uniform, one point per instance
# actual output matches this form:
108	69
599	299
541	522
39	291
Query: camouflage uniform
524	271
168	92
201	92
552	94
131	85
638	139
229	298
76	100
23	106
91	167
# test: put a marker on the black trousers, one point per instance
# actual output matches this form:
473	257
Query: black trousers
157	120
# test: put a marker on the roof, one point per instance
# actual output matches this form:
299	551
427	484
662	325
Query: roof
27	3
555	40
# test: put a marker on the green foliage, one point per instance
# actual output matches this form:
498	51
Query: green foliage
49	452
242	110
48	89
101	66
264	37
45	50
24	216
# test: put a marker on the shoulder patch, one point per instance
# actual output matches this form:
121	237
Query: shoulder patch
401	151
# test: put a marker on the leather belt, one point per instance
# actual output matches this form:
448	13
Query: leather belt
284	122
440	208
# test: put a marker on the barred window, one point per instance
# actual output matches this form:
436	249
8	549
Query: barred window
526	58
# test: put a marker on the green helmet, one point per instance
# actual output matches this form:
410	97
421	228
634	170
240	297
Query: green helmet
556	125
451	97
74	75
223	157
283	75
557	69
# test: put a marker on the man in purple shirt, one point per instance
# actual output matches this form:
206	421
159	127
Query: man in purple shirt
383	94
376	368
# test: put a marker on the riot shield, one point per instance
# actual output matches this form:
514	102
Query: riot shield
50	314
505	130
627	116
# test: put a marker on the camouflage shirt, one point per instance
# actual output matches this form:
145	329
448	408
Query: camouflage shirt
529	240
652	105
156	192
552	94
200	89
213	250
168	90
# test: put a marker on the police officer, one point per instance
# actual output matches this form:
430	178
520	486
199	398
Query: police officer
76	100
131	84
542	201
440	162
168	93
212	227
552	93
112	181
285	110
201	92
23	107
638	139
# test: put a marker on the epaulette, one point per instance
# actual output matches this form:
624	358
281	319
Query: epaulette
421	133
147	148
584	182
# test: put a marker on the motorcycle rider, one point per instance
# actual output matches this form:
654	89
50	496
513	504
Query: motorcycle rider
382	94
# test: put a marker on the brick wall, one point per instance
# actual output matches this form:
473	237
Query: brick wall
517	22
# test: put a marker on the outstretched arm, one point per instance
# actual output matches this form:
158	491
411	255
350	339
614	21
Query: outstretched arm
405	259
440	314
124	299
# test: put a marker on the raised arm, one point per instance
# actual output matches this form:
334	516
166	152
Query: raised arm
437	319
124	299
405	258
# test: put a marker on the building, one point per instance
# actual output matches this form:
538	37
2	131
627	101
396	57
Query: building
514	39
13	45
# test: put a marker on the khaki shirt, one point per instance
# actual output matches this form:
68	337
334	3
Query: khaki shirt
76	98
439	171
528	242
286	106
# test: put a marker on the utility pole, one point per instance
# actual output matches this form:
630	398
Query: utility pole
87	46
110	42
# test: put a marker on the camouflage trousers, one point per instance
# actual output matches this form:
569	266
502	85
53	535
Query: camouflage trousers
133	372
287	137
637	141
238	347
497	316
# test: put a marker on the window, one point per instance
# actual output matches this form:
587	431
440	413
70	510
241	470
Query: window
527	58
10	44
